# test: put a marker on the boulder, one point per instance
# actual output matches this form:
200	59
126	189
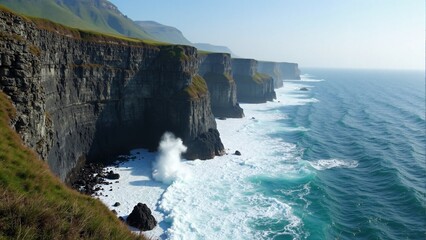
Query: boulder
112	176
238	153
141	218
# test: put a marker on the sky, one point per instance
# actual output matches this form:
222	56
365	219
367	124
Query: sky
381	34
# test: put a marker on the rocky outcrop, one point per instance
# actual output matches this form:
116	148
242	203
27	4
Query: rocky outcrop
86	97
216	69
289	70
272	69
252	86
141	218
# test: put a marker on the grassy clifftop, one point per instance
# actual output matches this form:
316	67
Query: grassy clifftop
93	15
34	204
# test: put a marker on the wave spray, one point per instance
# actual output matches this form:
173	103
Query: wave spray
167	167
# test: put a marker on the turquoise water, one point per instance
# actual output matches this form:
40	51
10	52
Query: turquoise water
344	160
373	120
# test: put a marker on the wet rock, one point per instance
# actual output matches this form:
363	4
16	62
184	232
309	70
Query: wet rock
112	176
238	153
116	204
304	89
141	218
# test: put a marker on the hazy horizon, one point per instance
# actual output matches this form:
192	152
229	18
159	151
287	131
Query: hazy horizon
381	34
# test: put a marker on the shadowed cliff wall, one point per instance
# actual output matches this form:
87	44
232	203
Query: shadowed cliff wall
289	70
216	69
252	86
84	97
272	69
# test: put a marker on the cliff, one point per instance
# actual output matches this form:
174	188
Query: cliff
216	69
289	70
252	86
82	97
272	69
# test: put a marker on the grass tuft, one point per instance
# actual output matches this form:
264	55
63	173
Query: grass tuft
34	204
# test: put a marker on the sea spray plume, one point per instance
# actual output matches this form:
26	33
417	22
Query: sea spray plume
167	166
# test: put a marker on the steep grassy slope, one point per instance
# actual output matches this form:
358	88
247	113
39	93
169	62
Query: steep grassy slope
36	205
94	15
163	33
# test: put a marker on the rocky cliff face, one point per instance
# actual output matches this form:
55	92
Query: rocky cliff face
217	71
272	69
289	70
84	97
252	86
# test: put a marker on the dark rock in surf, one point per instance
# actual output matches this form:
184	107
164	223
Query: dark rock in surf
141	218
112	176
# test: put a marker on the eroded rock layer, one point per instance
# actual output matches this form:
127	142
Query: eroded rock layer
82	96
252	86
217	71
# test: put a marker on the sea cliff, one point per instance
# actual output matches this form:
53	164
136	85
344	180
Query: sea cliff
216	69
289	71
252	86
82	97
272	69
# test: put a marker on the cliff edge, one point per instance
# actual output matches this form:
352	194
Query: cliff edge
82	96
252	86
216	69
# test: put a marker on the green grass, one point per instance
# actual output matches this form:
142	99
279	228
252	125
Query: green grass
261	77
197	89
34	204
79	14
174	53
218	77
77	33
258	78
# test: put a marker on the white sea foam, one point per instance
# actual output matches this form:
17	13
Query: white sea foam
220	201
324	164
167	167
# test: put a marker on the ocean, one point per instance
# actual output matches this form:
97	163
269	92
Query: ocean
344	160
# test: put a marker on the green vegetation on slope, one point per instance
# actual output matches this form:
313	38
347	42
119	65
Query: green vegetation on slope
218	77
163	33
197	89
36	205
258	78
261	77
93	15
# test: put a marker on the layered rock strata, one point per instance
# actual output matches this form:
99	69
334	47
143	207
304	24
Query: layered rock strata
272	69
87	97
216	69
252	86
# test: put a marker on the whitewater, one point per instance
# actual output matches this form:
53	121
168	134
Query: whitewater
218	199
345	159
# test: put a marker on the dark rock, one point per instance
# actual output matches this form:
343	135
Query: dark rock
252	86
141	218
113	211
272	69
222	118
205	146
304	89
75	98
121	219
216	69
112	176
238	153
116	204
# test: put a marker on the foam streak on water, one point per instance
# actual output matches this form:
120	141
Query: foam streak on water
343	160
